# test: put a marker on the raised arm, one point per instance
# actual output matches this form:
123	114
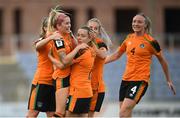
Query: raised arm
113	57
42	42
67	59
101	51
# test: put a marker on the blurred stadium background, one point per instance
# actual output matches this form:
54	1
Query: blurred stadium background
20	24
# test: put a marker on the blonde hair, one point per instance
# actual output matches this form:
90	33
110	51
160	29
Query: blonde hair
56	16
43	26
102	33
148	23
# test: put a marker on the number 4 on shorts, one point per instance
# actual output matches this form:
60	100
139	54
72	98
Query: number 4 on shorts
134	89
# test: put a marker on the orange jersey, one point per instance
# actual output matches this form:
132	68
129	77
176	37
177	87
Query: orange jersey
44	70
139	53
80	82
97	71
67	46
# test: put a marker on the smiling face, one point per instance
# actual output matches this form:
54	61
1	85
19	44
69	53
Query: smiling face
83	36
138	24
65	26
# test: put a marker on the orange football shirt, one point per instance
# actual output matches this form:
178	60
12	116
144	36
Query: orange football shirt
97	71
66	45
80	80
139	57
43	74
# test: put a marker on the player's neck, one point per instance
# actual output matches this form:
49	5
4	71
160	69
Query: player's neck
141	33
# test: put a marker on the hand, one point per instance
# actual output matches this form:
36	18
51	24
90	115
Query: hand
55	36
54	61
93	35
171	86
82	46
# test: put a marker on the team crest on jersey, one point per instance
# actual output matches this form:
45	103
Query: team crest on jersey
59	44
142	45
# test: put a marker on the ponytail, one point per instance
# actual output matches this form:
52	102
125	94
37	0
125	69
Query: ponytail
56	16
44	27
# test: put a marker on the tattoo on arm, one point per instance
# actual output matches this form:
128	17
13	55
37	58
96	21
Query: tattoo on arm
62	55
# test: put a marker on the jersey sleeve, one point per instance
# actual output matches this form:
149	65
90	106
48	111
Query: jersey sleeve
37	40
79	53
102	44
59	44
122	47
78	57
156	47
